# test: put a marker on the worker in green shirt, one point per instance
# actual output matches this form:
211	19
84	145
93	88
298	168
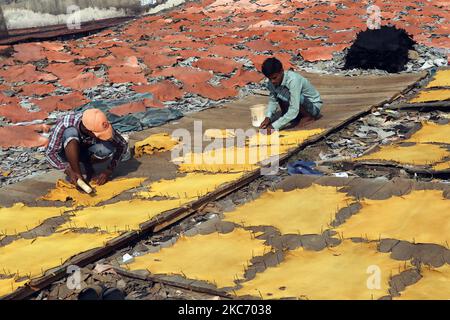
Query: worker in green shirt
294	94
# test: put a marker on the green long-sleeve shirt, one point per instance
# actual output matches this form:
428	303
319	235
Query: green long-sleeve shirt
294	89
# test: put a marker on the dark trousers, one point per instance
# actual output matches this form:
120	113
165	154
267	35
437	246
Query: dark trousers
305	110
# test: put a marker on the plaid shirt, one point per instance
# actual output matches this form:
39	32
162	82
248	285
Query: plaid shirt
52	153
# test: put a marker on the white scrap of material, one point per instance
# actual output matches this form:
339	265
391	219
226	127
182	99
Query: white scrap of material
163	6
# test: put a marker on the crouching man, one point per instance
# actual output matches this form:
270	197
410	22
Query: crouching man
297	98
85	137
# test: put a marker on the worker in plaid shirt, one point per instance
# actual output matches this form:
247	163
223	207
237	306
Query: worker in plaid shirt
85	137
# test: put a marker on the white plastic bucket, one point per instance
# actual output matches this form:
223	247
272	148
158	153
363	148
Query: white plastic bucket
258	114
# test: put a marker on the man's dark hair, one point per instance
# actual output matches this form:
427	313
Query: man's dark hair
271	66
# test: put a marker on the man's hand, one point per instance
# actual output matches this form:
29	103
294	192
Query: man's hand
265	123
103	177
270	129
73	176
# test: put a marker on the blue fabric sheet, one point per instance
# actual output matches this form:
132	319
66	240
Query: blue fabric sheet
303	167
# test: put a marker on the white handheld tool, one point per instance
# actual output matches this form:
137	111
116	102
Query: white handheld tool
84	186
